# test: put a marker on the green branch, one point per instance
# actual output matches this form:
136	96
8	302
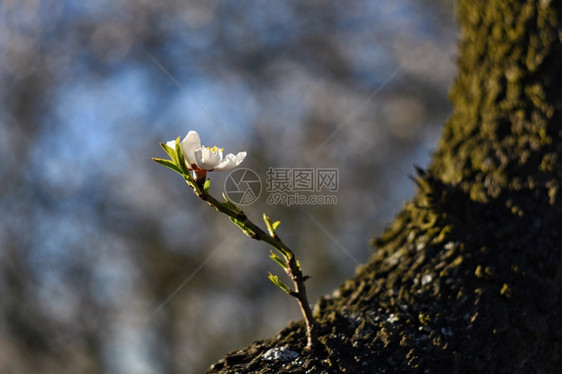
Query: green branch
284	256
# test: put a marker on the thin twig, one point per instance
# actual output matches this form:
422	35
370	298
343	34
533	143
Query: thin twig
287	261
293	269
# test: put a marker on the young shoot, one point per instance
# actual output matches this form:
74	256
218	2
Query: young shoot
193	161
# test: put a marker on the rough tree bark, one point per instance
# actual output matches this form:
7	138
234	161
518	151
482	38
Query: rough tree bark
468	277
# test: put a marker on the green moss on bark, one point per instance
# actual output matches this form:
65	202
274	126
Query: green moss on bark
468	277
506	120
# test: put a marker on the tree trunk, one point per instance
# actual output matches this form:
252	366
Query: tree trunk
468	277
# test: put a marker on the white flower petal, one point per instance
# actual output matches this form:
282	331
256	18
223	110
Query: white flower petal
231	161
171	144
189	145
206	159
219	152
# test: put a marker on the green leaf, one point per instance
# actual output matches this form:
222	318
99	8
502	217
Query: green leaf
181	158
230	204
169	164
207	185
178	146
243	227
170	151
278	259
275	224
275	279
190	182
269	225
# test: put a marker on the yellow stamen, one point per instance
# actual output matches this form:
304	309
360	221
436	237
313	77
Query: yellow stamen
214	149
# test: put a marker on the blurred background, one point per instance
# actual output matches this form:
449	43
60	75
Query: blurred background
108	263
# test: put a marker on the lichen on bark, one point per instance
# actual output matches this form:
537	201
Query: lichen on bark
468	277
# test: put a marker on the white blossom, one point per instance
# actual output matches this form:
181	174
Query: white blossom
202	159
